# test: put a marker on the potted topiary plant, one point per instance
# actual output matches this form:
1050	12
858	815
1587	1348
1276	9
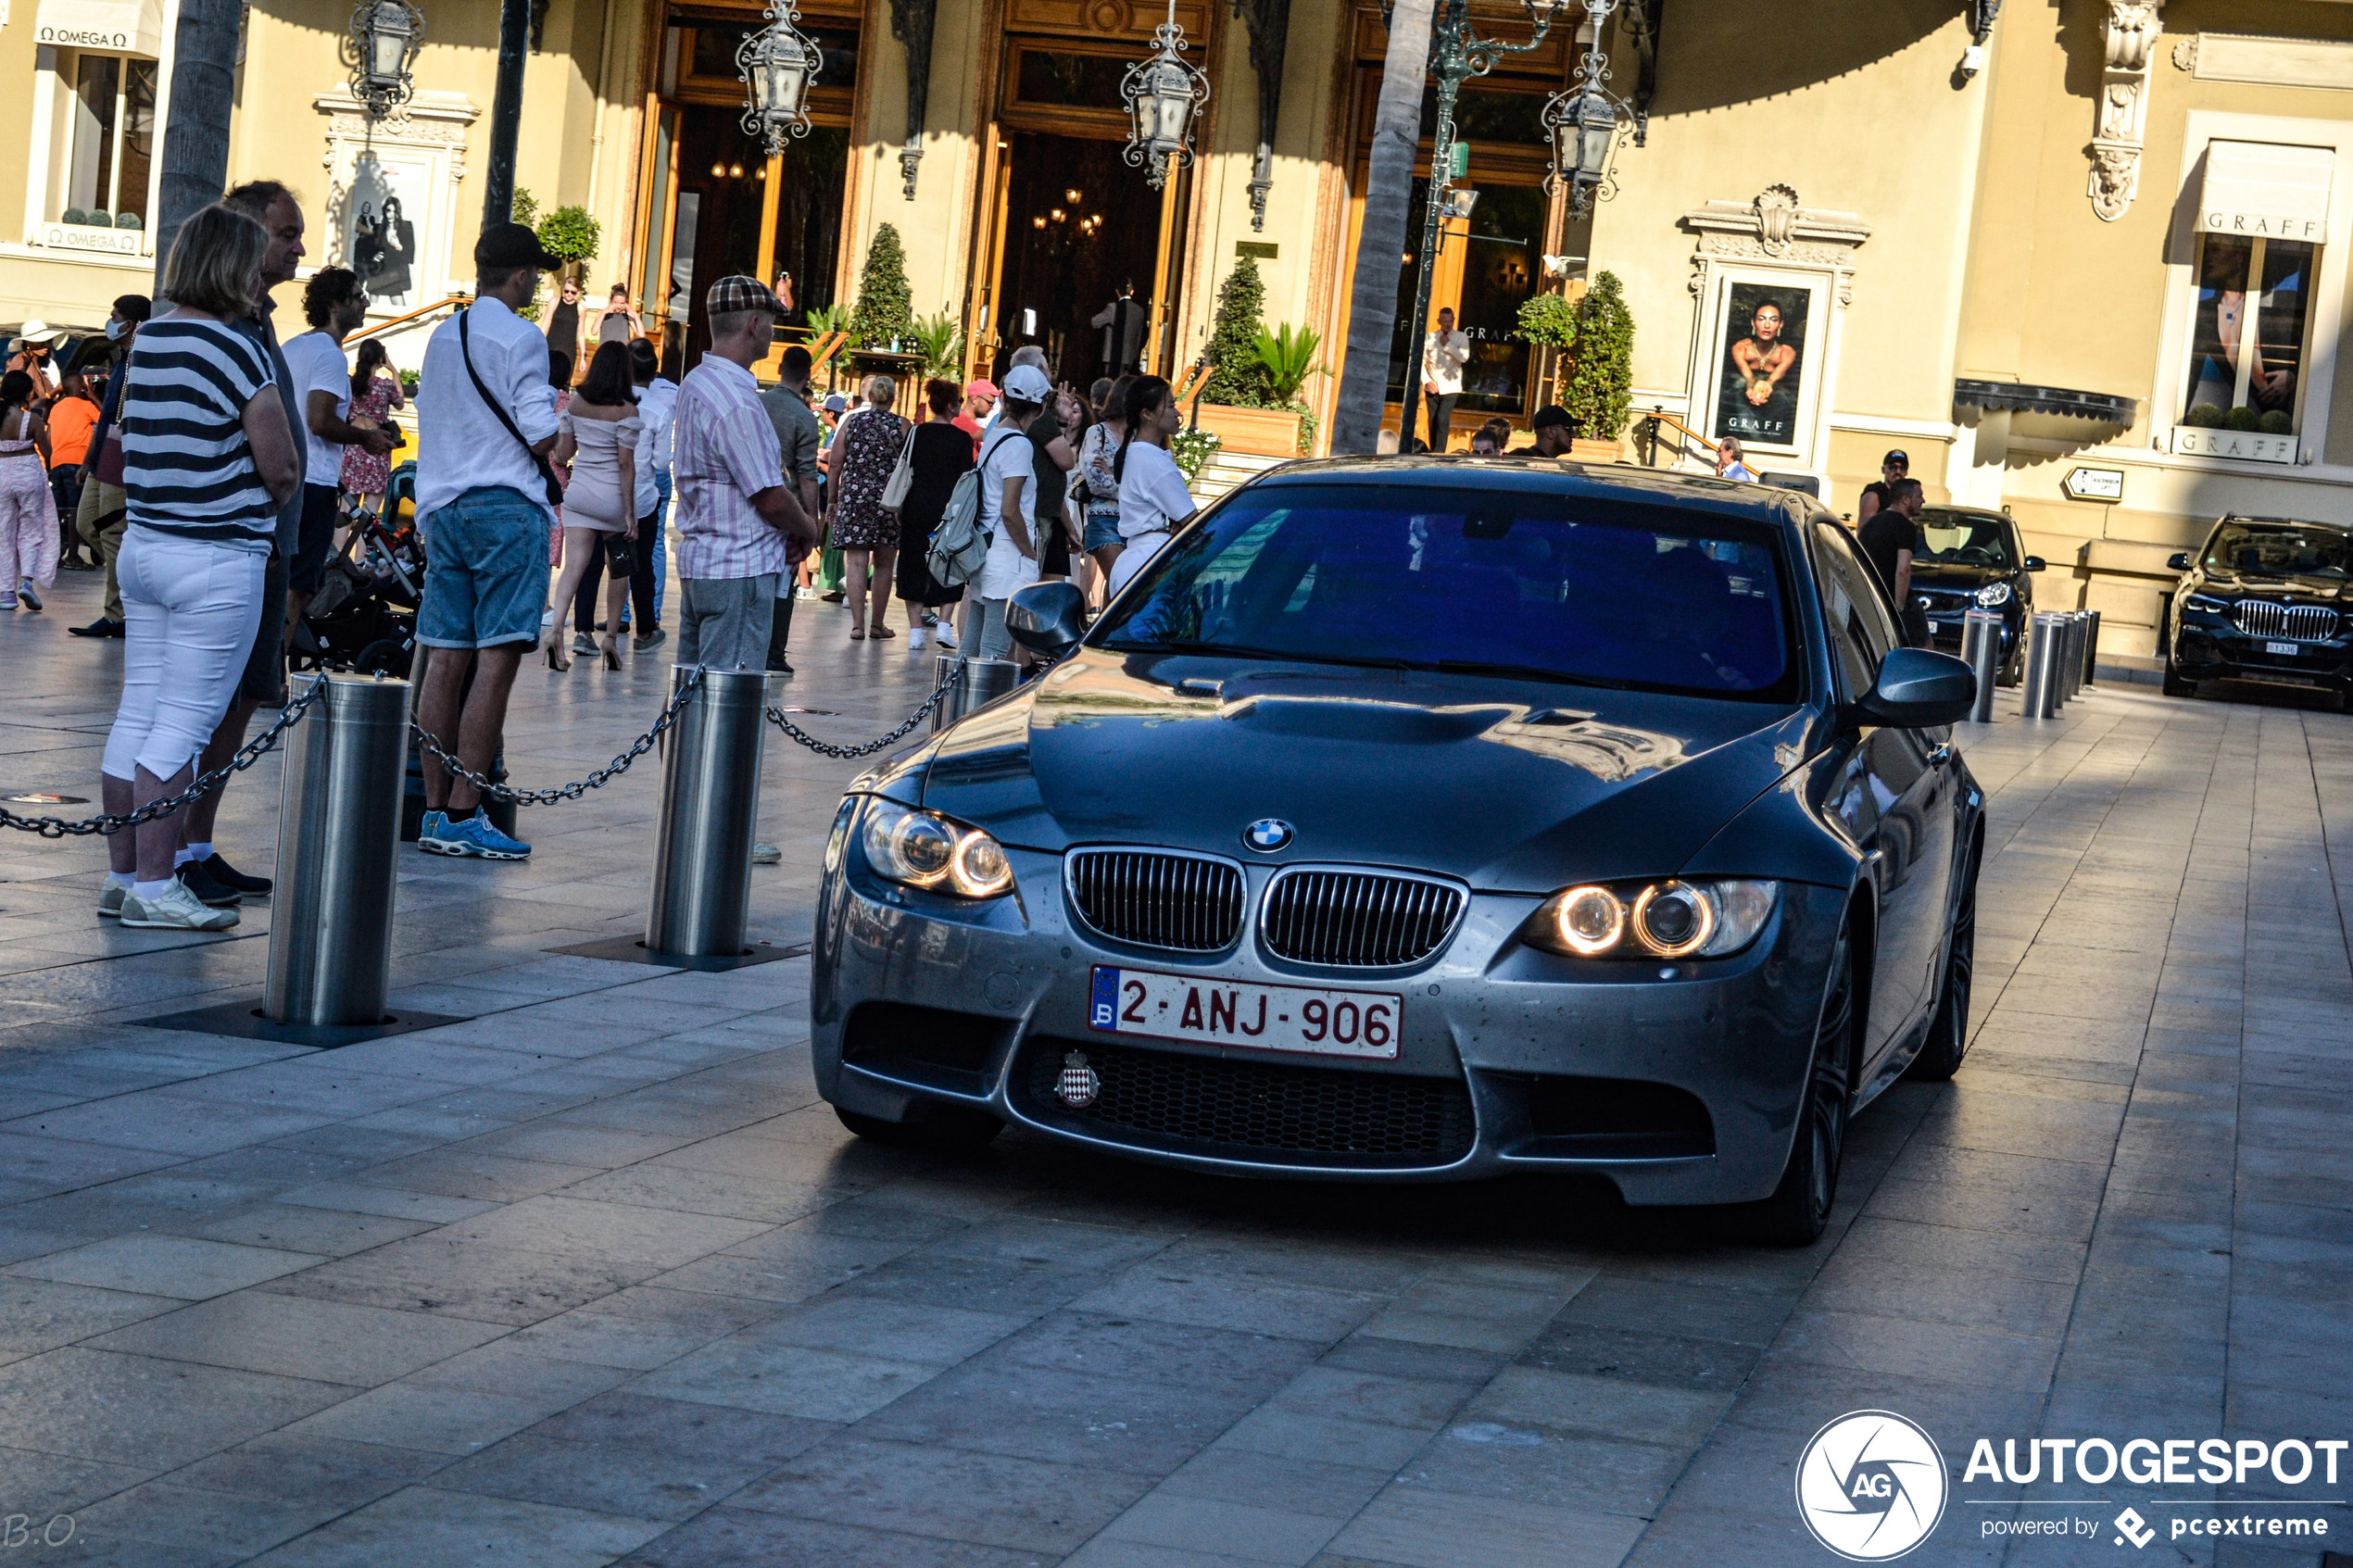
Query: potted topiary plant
885	313
1593	336
1238	402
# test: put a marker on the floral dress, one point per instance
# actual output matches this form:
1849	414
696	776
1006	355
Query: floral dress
864	453
364	473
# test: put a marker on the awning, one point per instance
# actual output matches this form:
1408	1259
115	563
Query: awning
2267	190
2019	398
129	27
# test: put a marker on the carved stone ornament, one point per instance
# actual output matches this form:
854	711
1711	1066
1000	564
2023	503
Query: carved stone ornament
2186	54
431	122
1775	226
2129	36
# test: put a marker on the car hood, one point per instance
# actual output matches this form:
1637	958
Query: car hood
1510	786
1955	576
2318	590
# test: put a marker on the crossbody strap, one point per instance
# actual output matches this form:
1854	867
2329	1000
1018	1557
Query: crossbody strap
465	352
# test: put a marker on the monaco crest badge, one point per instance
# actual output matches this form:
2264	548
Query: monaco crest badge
1079	1083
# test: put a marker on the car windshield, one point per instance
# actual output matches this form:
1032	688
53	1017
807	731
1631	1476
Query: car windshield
1523	585
2281	549
1953	538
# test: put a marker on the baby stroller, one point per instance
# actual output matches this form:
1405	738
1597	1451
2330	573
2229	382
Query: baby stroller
364	617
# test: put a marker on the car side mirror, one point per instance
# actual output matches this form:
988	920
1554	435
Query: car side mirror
2178	562
1917	687
2035	563
1048	618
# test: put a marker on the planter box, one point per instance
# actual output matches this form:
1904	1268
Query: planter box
1264	432
1586	451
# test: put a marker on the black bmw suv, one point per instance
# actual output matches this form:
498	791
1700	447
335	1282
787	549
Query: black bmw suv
1971	559
2267	600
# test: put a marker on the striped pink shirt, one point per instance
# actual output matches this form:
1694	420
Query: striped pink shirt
726	453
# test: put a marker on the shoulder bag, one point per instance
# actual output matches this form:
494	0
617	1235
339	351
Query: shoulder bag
546	474
902	477
958	548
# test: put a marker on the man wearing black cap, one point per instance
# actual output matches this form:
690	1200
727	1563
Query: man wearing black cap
1556	427
1891	470
486	419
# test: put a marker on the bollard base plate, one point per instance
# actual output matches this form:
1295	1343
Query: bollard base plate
633	949
245	1021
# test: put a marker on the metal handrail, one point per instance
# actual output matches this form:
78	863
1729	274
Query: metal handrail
1659	416
442	304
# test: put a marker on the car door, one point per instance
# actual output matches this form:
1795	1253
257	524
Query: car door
1899	786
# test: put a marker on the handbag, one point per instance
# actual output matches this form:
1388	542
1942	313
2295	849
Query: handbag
902	477
958	549
546	474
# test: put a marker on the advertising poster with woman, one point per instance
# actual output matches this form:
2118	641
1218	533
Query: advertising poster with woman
1763	366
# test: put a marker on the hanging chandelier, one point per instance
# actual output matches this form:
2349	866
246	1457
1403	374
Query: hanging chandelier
1163	96
777	64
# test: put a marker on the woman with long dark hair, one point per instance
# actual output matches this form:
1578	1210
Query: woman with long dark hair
1098	451
375	391
941	454
27	508
597	448
1154	501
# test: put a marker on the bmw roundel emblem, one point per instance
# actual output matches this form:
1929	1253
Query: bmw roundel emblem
1268	835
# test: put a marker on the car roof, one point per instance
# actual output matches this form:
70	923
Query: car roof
1626	483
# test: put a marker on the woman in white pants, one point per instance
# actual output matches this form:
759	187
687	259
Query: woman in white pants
208	459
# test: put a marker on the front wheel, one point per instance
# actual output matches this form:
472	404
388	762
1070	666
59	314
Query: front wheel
2176	686
1800	1207
1948	1032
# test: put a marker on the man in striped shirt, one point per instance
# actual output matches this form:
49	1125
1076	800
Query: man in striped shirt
740	527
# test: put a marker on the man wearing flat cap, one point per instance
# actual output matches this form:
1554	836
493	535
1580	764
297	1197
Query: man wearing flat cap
740	526
486	419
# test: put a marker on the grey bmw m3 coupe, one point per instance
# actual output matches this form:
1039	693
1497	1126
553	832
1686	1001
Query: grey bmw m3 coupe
1427	819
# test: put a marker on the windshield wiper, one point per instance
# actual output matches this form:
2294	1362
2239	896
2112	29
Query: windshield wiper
1525	672
1244	650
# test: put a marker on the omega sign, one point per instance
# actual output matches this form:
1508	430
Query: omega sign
84	37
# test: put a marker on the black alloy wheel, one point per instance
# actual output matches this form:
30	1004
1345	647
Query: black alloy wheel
1949	1030
942	1129
1800	1207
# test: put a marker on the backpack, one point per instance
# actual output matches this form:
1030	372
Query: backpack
958	548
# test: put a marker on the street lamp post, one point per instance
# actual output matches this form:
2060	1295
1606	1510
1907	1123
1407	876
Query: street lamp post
384	37
777	64
1456	54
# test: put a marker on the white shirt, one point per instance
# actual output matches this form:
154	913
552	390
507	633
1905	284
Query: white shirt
1443	357
462	446
318	365
658	406
1008	455
1152	497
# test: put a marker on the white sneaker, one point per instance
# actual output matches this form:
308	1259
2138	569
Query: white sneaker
944	635
175	909
914	639
766	854
28	594
110	897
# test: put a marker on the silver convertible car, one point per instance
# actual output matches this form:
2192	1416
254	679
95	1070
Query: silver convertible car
1425	819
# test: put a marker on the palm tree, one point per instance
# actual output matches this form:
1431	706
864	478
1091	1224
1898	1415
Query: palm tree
1389	189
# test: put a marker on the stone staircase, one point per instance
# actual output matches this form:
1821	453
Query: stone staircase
1226	469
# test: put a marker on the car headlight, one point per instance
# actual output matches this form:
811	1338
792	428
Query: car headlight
2208	603
1993	593
927	850
1662	919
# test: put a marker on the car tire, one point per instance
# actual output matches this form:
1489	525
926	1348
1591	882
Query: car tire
1948	1028
2175	685
941	1128
1800	1207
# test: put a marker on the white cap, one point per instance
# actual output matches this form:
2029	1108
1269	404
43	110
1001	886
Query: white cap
1027	383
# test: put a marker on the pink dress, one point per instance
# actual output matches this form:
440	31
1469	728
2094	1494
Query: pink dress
364	473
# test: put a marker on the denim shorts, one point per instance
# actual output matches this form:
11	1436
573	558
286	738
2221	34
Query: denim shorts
486	569
1102	528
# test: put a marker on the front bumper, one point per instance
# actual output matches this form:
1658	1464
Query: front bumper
2210	648
1680	1091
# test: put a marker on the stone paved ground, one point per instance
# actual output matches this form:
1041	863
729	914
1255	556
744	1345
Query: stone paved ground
594	1277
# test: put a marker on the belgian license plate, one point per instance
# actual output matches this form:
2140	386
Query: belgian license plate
2281	650
1228	1013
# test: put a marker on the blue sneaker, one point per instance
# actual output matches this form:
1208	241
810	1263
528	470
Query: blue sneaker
474	836
431	831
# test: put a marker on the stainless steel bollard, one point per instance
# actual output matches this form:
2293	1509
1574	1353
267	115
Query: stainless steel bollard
1982	651
2072	672
984	681
2090	647
710	801
339	846
2042	669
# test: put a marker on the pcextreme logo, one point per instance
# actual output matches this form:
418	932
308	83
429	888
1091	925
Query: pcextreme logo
1871	1486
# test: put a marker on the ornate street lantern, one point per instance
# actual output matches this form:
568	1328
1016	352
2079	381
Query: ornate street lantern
777	64
384	37
1163	94
1584	122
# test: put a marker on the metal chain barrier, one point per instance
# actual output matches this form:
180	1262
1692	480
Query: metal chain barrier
573	791
827	748
247	755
